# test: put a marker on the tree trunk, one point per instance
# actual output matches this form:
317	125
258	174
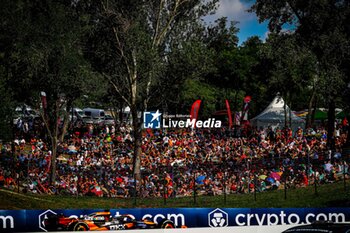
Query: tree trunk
285	114
121	112
331	120
137	144
54	142
290	114
314	108
66	121
310	112
135	121
52	128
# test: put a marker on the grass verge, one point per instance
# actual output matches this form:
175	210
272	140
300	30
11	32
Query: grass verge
328	195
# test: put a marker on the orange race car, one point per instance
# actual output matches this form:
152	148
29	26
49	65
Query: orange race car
102	221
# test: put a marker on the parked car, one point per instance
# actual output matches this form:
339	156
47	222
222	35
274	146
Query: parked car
87	120
17	116
76	113
108	120
94	112
98	120
24	113
319	227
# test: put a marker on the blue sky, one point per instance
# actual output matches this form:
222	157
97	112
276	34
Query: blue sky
248	23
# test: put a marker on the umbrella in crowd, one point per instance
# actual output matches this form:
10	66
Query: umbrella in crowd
200	179
62	159
271	180
275	176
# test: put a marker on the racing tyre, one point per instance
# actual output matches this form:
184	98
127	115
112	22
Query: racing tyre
166	224
80	227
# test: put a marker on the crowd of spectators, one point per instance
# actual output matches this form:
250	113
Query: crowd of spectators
99	162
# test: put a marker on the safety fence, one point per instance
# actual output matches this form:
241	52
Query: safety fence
95	219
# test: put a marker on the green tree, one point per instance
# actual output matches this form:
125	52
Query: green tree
45	55
6	108
256	67
227	76
323	28
130	44
292	67
194	89
184	66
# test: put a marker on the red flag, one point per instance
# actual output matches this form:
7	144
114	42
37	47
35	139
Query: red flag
194	110
345	121
149	131
229	113
246	100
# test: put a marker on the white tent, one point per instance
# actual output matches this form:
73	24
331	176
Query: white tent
274	116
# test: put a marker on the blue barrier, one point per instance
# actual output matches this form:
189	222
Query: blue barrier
33	220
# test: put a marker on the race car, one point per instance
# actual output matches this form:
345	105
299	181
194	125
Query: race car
102	221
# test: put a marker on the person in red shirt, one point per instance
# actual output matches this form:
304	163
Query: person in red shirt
2	179
305	180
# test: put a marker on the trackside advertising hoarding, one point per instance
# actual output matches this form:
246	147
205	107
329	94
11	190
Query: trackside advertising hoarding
34	220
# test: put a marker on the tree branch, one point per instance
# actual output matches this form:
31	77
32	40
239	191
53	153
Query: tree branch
294	11
118	43
158	22
117	89
42	114
173	14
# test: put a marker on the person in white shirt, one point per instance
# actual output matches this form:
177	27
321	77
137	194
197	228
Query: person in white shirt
166	140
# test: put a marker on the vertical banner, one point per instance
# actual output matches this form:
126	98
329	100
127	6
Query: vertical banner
229	113
246	101
195	109
237	120
43	100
